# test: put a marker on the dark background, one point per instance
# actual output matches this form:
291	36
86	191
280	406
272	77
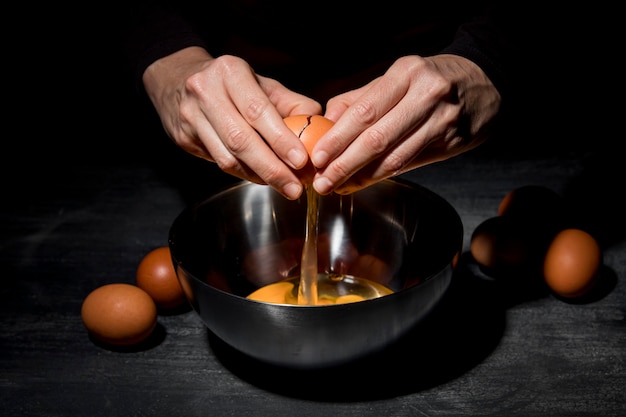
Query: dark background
90	184
68	90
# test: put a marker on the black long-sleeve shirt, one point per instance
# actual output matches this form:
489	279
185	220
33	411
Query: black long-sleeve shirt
320	50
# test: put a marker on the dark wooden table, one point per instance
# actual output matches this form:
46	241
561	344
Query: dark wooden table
487	350
88	189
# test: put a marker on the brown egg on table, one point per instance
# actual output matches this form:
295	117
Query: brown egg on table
516	239
119	314
156	276
530	201
572	263
499	244
538	208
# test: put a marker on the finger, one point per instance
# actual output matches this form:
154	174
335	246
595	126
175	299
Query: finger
409	103
368	147
374	102
245	148
434	141
255	105
239	95
213	146
365	139
336	106
288	102
203	139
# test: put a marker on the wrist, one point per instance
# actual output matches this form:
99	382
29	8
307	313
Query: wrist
171	69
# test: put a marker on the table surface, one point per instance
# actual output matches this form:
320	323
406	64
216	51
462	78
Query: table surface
88	189
486	350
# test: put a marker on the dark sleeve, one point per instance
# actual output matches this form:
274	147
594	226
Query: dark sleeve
500	41
153	30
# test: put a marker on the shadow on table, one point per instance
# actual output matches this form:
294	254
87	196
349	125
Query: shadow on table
458	335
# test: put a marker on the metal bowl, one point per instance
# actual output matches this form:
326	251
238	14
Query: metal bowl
394	233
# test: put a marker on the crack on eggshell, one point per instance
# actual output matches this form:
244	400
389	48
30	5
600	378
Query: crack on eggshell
308	123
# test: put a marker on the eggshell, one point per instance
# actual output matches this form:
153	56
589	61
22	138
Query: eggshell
572	262
309	128
119	314
156	276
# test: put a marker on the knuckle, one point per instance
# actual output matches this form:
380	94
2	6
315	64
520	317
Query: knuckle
186	112
236	140
440	87
271	174
226	64
364	113
457	120
424	73
413	66
375	141
196	84
340	170
256	109
392	164
227	163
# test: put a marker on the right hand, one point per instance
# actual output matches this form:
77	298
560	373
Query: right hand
219	109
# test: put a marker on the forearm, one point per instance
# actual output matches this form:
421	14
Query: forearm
162	78
151	32
495	42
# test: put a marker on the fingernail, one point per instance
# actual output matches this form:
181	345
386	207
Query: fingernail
320	159
297	158
322	185
293	190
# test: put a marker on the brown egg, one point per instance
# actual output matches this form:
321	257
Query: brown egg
535	205
309	128
499	243
119	314
515	241
156	276
572	262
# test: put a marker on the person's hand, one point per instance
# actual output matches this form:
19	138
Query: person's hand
220	110
422	110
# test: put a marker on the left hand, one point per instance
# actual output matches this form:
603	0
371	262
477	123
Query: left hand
422	110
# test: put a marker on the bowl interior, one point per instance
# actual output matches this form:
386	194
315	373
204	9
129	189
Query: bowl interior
394	233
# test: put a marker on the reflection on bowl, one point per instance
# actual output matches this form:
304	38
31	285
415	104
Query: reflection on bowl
395	234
